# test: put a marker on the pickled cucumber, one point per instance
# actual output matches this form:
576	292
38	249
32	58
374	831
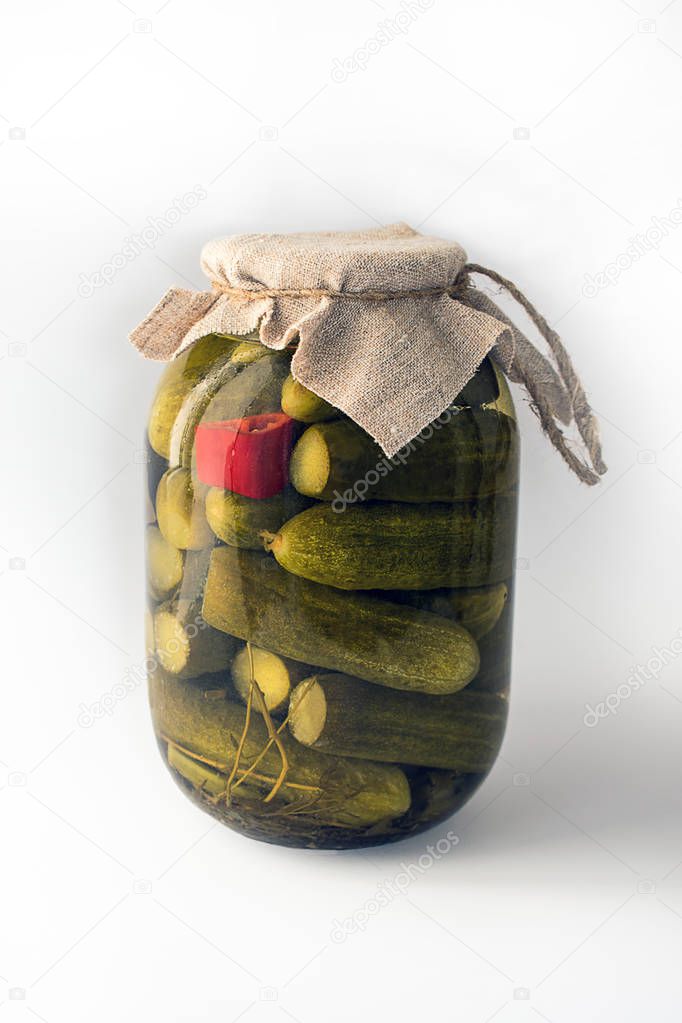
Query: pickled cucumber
164	564
209	781
247	352
301	404
180	511
343	793
355	692
383	545
473	454
239	520
476	609
275	676
178	380
246	383
248	595
342	715
187	646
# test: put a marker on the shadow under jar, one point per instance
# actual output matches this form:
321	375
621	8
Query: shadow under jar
329	630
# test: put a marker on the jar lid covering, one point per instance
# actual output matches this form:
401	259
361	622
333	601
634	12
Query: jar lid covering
389	328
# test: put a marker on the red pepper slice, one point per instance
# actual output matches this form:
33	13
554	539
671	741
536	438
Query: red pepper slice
248	456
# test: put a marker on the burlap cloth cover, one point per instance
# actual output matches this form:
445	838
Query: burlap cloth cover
389	328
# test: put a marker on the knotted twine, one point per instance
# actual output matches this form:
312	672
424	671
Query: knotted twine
389	325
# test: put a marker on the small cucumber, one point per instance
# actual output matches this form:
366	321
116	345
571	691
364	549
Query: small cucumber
239	520
301	404
275	676
391	546
164	564
187	646
180	511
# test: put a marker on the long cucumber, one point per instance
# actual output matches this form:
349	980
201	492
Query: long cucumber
342	715
196	772
393	546
472	454
249	596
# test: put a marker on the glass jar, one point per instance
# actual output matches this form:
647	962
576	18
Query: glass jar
329	629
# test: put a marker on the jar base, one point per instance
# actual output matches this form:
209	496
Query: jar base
427	811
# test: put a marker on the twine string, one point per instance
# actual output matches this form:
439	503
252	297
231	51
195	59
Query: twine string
253	294
585	418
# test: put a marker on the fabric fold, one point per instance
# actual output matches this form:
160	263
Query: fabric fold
387	324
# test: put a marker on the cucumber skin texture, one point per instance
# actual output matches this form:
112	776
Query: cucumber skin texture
392	546
249	596
461	732
472	455
353	793
239	520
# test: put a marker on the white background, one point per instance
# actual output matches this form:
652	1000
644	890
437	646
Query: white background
562	899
